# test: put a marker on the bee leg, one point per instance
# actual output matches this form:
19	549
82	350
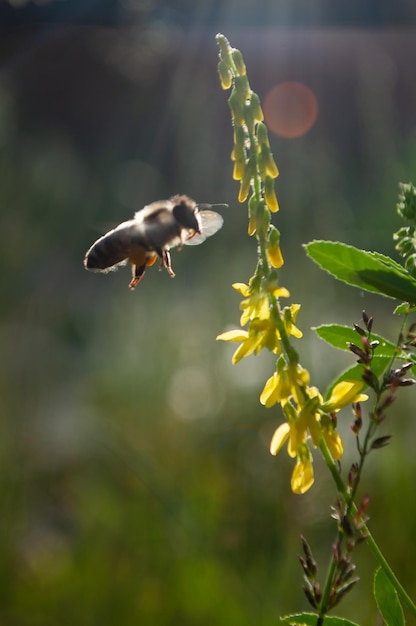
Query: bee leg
138	271
166	262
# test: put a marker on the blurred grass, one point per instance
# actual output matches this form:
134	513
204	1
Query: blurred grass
136	484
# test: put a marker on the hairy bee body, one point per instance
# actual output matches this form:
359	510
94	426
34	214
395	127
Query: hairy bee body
112	249
152	232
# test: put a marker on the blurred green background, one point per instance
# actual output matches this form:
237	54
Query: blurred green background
136	482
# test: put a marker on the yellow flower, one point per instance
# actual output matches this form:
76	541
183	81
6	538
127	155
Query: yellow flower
274	254
299	427
261	334
299	423
289	319
251	225
225	75
293	433
279	438
344	393
302	476
309	414
285	382
246	347
273	251
334	442
277	388
266	331
270	194
256	305
238	170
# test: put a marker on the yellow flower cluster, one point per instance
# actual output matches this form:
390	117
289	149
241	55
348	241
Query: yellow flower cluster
308	417
257	312
254	165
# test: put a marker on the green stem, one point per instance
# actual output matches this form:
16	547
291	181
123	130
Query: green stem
388	571
327	590
366	532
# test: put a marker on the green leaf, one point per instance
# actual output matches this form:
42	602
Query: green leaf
310	619
370	271
387	600
339	336
404	309
379	366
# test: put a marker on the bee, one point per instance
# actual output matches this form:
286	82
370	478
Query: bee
150	235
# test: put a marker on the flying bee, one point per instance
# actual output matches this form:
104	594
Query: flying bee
151	234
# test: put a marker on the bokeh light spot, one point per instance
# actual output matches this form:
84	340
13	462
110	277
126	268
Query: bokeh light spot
290	109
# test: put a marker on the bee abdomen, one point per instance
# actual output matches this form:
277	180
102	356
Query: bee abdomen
108	251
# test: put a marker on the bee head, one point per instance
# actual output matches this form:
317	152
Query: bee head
186	213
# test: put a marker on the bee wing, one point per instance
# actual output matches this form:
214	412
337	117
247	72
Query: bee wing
211	222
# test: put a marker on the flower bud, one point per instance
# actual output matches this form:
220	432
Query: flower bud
236	107
244	189
239	168
410	264
359	330
368	321
239	62
226	78
240	137
270	194
256	107
261	165
249	118
380	442
356	426
274	253
262	218
225	49
252	212
249	172
251	230
262	135
242	87
406	206
269	163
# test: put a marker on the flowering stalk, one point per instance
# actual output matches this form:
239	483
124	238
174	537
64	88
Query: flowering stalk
269	325
309	419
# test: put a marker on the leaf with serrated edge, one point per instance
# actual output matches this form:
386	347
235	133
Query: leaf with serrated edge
366	270
310	619
339	336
